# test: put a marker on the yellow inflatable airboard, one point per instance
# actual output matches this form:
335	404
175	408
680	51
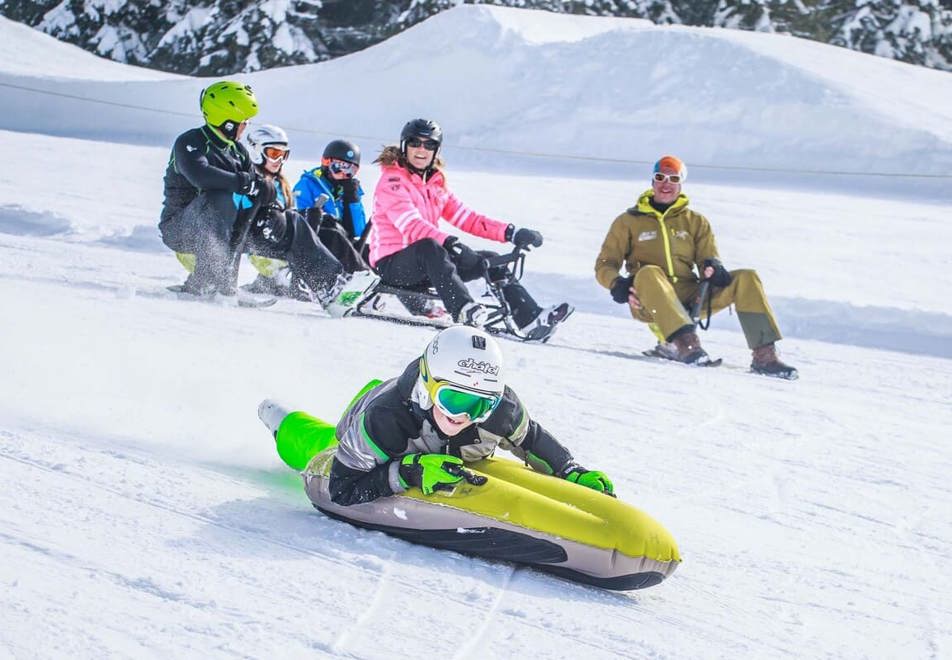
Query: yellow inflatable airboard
519	515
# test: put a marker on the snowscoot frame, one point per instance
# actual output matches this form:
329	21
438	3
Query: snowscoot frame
500	314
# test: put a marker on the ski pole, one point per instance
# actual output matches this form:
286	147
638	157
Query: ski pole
697	309
239	236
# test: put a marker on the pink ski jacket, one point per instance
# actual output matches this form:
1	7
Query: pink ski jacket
408	209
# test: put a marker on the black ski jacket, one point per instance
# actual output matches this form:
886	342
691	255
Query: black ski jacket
203	161
388	423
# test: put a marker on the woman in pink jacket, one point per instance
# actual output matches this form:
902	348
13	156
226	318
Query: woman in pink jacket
408	248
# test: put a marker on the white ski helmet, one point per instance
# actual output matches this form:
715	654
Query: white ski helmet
266	135
462	359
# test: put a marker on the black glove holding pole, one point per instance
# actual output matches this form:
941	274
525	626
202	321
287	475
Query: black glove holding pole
621	289
720	277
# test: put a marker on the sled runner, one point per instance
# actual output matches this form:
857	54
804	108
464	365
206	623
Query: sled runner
422	306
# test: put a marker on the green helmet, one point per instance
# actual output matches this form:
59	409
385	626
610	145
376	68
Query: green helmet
228	100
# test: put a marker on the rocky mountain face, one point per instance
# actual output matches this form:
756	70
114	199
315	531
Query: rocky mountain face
217	37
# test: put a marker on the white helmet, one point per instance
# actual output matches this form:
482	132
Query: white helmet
263	136
463	359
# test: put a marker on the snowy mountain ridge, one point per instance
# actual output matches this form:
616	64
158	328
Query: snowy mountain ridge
200	37
792	104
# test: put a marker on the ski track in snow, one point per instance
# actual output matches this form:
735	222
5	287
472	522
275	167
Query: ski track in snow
472	644
376	607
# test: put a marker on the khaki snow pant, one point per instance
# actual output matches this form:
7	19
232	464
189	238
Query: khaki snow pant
661	303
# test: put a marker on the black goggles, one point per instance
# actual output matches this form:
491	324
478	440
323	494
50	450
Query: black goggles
429	145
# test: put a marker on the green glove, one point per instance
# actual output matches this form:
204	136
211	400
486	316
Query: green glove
432	472
594	479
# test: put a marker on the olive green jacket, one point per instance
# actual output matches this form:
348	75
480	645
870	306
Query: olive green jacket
676	240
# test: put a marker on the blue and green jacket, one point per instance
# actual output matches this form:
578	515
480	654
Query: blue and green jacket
313	184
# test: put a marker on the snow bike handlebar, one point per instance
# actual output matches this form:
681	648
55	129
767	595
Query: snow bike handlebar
514	262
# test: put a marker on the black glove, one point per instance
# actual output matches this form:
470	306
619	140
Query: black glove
248	183
432	472
349	189
621	289
523	237
720	277
462	255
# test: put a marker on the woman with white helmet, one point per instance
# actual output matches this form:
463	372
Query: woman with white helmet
269	149
449	407
286	251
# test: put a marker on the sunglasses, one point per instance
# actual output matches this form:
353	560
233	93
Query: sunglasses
429	145
276	153
343	167
661	177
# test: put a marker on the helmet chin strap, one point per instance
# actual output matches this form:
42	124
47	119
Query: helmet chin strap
227	131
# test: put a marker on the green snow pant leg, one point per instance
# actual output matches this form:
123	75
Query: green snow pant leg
747	295
301	437
660	301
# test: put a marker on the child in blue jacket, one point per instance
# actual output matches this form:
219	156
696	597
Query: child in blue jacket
330	196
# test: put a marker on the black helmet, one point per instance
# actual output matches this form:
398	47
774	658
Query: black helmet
421	128
342	150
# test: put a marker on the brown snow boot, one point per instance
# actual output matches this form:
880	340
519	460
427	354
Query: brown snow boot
767	363
689	348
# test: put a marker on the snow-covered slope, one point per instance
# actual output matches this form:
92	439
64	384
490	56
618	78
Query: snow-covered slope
142	507
144	513
585	87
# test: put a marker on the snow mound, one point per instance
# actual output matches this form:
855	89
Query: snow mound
542	27
530	83
28	52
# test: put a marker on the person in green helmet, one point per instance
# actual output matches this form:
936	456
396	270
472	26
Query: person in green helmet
207	171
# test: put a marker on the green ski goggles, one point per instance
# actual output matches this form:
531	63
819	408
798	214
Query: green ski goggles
455	402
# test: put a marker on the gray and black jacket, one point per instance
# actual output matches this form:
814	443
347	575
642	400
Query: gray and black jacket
202	161
389	422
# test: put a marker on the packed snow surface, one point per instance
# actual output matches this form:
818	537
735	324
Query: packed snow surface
144	512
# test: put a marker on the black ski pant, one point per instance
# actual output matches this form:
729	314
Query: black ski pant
334	237
427	263
286	235
206	228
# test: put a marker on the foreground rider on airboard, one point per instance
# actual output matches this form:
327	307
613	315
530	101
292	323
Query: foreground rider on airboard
414	457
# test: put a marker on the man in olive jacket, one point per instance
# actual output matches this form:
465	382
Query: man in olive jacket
668	249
